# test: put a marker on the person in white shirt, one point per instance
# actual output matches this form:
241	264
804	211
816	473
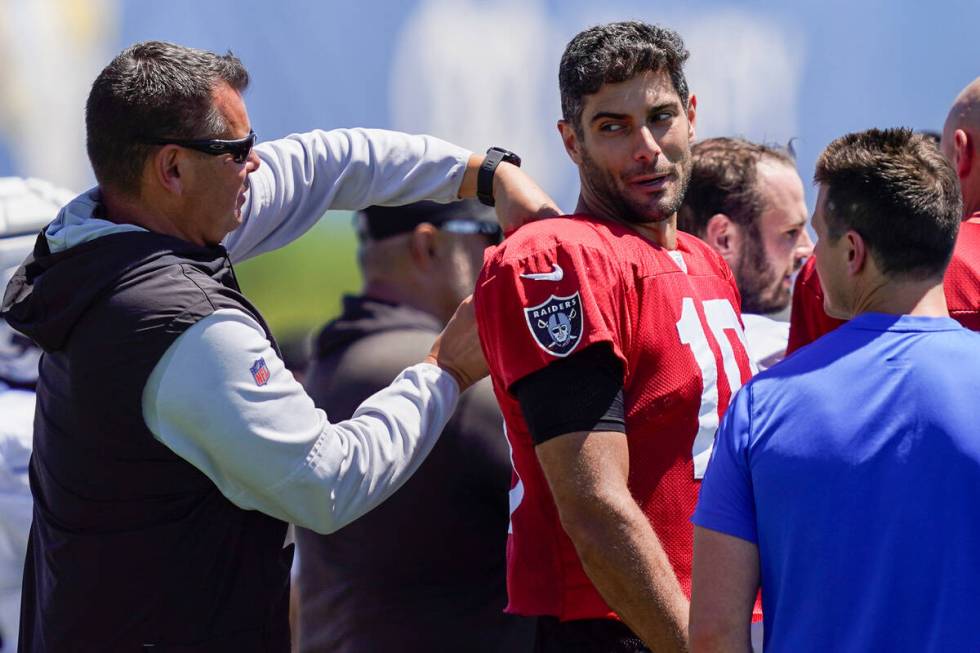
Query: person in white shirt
26	205
746	201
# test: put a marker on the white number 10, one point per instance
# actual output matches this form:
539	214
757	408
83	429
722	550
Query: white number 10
720	316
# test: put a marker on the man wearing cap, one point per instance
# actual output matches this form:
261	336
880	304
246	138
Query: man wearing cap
171	445
428	565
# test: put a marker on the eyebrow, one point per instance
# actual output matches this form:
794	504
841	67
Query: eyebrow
663	106
623	116
609	114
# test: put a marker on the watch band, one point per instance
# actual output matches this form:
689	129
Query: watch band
484	179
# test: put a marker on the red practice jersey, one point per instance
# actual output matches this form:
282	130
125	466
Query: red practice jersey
554	288
808	321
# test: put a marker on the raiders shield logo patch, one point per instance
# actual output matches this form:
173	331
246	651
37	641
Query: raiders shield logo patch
556	324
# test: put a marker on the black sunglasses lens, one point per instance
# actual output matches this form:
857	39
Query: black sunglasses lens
493	233
241	150
238	149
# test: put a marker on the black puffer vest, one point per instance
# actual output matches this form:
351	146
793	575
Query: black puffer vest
132	548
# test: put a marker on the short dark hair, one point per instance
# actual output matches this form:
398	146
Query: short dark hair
895	189
724	180
613	53
153	89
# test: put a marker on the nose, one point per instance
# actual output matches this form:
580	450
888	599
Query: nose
645	147
253	161
804	246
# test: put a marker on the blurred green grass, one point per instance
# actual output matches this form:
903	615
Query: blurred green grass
298	288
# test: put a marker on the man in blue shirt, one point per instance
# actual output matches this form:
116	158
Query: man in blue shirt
845	479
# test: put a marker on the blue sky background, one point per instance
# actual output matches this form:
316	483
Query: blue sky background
484	73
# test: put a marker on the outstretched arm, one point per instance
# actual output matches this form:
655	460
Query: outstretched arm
304	175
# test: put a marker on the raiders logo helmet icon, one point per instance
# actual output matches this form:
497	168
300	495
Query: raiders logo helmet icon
556	324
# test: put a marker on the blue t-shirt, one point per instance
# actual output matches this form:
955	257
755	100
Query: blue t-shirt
854	465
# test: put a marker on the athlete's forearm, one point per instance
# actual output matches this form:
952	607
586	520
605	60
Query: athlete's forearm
625	560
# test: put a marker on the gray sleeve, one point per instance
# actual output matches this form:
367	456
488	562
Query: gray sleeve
303	176
265	445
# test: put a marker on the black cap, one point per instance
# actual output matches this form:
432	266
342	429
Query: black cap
378	222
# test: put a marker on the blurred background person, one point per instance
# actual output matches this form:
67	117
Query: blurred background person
426	570
746	201
959	145
26	205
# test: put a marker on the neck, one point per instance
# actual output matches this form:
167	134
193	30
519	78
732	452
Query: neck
405	294
123	209
970	187
920	298
661	232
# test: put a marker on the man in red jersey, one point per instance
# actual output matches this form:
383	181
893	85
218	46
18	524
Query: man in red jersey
960	145
614	344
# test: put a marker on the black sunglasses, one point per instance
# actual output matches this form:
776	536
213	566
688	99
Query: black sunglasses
239	149
490	230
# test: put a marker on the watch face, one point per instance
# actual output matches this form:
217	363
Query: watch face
508	156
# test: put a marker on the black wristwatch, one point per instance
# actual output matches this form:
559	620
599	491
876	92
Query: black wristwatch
484	179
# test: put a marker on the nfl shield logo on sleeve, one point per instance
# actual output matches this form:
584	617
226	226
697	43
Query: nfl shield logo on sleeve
556	324
260	372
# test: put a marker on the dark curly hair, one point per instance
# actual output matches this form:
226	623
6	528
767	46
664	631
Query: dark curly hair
608	54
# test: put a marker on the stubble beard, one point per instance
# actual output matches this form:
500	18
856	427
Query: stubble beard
759	284
610	195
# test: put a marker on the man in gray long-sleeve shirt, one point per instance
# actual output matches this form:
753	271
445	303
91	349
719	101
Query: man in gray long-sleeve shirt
171	446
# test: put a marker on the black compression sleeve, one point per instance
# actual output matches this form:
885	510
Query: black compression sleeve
583	392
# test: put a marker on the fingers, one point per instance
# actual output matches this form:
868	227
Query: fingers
457	349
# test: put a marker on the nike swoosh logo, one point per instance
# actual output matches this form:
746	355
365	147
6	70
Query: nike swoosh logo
556	274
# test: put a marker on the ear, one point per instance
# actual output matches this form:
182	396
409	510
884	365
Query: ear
166	167
962	153
720	233
424	246
571	141
857	253
692	114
